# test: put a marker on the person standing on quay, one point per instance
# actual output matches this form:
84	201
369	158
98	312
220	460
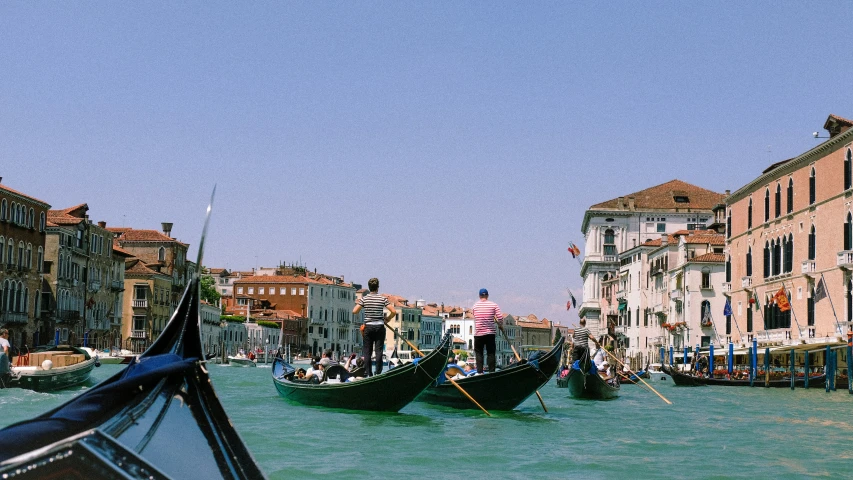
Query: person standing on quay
4	341
486	313
374	324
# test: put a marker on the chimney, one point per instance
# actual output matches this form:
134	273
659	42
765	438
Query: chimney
167	229
664	239
102	224
631	203
620	203
728	192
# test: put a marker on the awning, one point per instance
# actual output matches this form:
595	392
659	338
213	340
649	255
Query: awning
622	306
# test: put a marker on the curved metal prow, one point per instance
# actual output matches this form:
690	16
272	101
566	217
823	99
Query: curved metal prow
204	231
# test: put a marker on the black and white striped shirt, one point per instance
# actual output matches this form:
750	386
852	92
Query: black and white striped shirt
581	337
374	308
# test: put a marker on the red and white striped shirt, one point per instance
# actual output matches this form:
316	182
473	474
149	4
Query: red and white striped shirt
485	312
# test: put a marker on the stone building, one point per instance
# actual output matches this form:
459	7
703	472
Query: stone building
22	245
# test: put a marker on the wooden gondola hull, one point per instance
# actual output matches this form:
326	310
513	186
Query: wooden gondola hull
590	386
388	392
503	390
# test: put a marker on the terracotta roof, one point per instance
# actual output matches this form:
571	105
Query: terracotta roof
718	239
710	258
121	251
458	340
11	190
838	119
283	279
133	235
663	197
138	268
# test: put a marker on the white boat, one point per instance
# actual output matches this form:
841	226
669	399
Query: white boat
241	361
656	374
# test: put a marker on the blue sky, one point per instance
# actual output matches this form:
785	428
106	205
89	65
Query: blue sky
441	146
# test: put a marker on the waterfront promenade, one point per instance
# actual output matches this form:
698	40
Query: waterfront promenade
708	432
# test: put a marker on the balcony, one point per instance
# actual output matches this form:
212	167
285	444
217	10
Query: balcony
67	316
777	336
610	258
138	334
746	282
676	295
117	286
727	287
140	303
808	267
11	267
657	341
656	271
10	318
94	286
845	259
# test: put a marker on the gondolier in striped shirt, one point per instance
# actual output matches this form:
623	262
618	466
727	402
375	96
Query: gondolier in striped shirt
486	313
580	341
374	306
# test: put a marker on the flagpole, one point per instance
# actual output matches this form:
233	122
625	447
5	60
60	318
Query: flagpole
794	312
837	323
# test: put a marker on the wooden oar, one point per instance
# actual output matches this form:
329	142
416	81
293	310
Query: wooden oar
518	357
452	381
638	377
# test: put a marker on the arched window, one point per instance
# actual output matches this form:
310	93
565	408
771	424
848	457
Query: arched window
789	253
13	212
161	254
21	254
31	218
749	214
848	170
749	262
2	250
609	242
706	313
42	222
40	260
812	243
812	187
848	232
777	257
10	252
728	269
778	200
3	210
766	204
790	195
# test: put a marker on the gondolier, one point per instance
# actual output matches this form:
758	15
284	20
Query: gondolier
580	341
486	313
374	306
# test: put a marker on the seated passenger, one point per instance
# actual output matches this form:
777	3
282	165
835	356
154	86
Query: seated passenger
316	370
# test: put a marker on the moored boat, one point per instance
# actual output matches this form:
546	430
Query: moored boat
583	381
632	378
51	369
157	418
504	389
686	379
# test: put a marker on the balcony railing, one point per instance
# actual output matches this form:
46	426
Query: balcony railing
94	286
675	295
610	258
140	303
779	335
13	318
845	259
746	282
138	334
727	287
657	341
67	315
808	266
117	285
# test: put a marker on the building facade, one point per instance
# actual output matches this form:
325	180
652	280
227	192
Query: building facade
788	231
22	245
624	223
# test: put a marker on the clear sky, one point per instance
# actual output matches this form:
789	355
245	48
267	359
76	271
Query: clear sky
440	146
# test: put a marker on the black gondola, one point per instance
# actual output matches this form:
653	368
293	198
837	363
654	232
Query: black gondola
684	379
504	389
157	418
589	385
632	378
387	392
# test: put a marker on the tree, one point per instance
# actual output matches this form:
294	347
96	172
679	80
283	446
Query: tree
208	290
557	336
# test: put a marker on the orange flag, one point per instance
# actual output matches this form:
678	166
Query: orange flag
782	300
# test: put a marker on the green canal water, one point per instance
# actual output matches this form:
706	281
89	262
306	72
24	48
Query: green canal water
708	432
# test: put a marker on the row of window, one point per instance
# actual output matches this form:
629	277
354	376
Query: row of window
18	214
24	257
14	297
271	290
